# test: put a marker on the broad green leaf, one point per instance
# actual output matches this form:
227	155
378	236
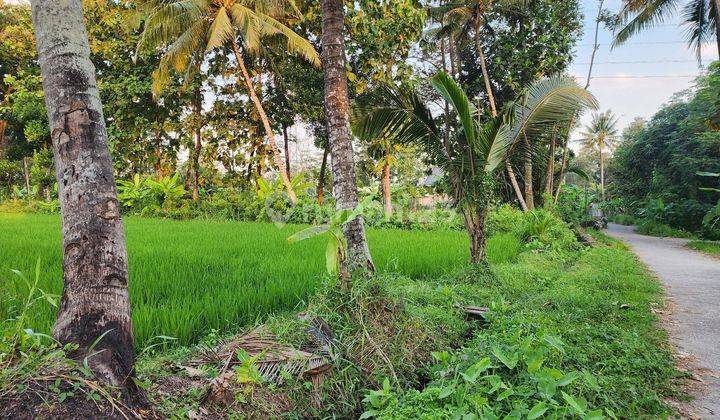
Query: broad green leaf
505	394
594	415
538	410
446	392
590	380
331	255
567	379
308	233
575	404
509	361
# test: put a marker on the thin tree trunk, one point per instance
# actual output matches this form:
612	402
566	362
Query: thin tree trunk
483	67
515	185
529	190
3	127
454	70
340	141
602	174
277	157
717	23
95	305
286	141
550	169
321	176
197	110
563	164
387	199
26	175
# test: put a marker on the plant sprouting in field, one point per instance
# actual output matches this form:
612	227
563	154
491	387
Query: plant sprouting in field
335	251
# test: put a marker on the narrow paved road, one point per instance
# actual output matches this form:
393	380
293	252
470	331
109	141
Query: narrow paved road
692	280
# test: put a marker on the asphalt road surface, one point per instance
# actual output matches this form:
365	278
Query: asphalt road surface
692	280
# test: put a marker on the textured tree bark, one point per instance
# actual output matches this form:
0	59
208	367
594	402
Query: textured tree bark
475	227
277	157
321	176
550	169
515	185
340	142
95	301
529	190
197	136
286	140
387	198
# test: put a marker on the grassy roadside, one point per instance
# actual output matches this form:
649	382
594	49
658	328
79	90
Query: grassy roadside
712	248
567	334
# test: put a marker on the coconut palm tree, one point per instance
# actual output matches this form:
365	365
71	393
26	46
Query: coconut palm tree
702	18
191	28
94	312
337	115
471	154
600	136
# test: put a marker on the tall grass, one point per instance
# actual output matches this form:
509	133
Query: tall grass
187	277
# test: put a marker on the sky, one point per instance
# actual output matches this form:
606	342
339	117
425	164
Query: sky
620	79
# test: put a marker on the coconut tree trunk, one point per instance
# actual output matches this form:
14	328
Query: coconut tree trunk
550	169
529	189
483	67
387	199
475	226
95	302
197	136
321	176
277	157
340	141
286	141
602	174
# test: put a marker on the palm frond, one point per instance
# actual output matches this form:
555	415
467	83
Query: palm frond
465	110
638	15
548	101
221	30
699	18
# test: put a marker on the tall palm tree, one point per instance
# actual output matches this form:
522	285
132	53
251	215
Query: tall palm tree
191	28
337	115
600	136
95	308
462	17
702	18
472	153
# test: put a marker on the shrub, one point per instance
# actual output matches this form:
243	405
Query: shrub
544	230
654	228
504	219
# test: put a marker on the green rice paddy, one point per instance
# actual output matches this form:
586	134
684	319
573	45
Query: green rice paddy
189	277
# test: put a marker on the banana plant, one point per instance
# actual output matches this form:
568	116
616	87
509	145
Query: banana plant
133	192
336	248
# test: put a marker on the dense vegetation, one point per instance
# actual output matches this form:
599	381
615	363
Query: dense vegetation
659	171
191	226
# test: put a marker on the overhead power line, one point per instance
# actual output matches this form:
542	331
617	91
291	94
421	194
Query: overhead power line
636	43
652	76
646	61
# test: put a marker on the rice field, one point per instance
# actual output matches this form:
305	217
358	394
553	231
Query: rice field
189	277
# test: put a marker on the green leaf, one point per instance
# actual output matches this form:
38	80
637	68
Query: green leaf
509	361
575	404
594	415
446	392
590	380
505	394
331	255
474	371
538	410
308	233
567	379
712	174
